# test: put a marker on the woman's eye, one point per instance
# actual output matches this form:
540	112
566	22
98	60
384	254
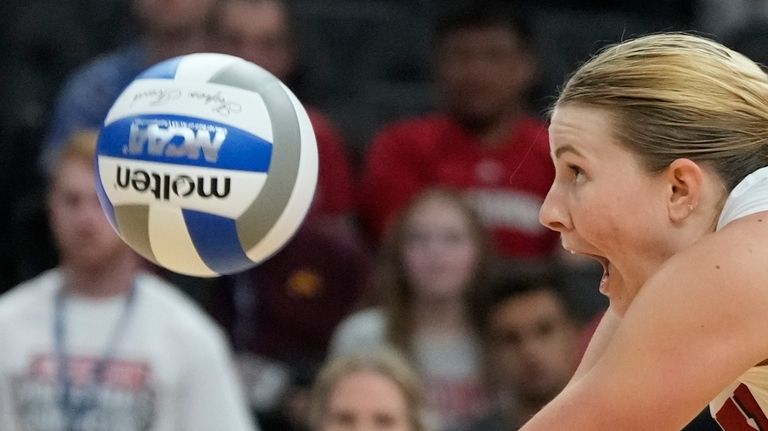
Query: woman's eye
577	172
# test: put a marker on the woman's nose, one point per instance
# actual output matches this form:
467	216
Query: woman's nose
553	213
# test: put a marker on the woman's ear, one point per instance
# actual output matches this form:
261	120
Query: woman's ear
685	181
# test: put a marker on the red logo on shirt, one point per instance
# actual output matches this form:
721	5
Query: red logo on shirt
741	412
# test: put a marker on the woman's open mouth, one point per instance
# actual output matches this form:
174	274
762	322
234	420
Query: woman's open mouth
606	272
606	264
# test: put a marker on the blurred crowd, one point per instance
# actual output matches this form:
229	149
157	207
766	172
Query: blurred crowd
421	293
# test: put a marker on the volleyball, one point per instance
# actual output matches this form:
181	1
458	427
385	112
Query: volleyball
206	164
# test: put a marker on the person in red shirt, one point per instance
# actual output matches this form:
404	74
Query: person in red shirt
261	31
482	141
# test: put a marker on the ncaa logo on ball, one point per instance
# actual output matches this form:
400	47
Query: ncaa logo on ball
207	164
157	138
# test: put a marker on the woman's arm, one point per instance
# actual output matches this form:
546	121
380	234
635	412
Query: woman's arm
696	326
597	344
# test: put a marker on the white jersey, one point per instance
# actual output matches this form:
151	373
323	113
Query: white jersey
165	365
744	404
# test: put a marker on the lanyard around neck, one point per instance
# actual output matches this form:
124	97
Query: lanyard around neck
73	409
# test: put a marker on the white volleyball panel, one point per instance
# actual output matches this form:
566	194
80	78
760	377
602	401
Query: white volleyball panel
224	104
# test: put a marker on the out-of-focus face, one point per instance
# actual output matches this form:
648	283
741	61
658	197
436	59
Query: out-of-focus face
82	233
173	16
533	345
259	33
482	73
440	252
366	401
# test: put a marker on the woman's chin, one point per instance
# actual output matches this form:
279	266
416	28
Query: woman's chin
612	286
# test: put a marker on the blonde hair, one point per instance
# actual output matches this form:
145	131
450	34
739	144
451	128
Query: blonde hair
80	146
678	95
387	362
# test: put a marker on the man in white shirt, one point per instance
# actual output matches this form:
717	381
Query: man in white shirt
97	344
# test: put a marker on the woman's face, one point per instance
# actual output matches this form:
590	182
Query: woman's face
440	252
604	204
366	401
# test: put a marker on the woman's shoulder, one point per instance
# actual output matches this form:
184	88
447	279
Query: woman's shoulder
731	261
721	282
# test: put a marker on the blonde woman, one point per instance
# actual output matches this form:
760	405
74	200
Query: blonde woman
375	391
660	146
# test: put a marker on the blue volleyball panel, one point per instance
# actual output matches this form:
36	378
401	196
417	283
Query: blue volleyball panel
185	141
216	241
164	70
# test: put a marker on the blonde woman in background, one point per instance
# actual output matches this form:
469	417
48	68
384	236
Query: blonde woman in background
373	391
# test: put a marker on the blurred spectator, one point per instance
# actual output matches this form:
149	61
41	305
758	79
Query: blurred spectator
263	32
169	29
299	295
44	40
483	141
374	391
437	254
282	312
531	340
281	315
97	344
40	43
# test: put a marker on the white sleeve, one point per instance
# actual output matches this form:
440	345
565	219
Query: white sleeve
748	197
211	394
